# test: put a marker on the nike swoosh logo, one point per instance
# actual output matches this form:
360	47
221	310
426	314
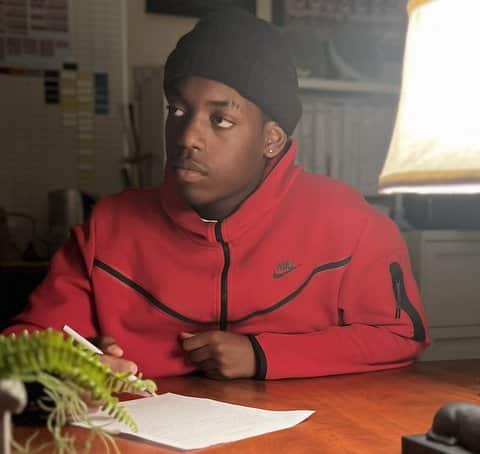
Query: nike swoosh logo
278	275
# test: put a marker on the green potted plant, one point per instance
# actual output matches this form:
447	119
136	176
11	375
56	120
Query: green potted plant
71	378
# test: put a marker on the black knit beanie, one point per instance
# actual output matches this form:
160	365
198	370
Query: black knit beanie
248	54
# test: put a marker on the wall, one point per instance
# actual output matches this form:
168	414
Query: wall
151	37
67	143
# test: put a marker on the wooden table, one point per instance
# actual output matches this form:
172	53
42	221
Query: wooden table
364	413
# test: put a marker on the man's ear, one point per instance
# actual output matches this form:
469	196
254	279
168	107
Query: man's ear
275	139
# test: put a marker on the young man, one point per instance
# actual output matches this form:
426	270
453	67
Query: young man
241	264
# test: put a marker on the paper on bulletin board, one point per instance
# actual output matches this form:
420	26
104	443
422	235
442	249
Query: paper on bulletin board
85	129
34	34
68	97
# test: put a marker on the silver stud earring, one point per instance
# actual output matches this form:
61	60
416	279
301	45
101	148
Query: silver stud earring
270	151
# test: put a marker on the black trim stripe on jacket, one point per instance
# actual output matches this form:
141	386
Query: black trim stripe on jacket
326	267
403	302
158	304
147	295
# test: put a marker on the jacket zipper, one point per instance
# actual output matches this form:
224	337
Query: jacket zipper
223	288
402	302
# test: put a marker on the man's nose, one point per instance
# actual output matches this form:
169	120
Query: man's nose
192	136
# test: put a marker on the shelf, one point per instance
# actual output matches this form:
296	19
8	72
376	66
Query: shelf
347	86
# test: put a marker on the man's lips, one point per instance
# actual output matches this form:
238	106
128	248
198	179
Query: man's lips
190	166
188	171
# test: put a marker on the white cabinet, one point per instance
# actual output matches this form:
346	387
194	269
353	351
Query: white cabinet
446	265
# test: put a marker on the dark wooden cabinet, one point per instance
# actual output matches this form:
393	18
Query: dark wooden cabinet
17	280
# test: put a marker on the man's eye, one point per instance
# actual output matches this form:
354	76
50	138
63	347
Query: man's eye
175	111
221	122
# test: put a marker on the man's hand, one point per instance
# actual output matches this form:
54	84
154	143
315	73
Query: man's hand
113	355
220	354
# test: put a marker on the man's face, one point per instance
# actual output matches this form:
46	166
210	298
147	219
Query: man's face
215	145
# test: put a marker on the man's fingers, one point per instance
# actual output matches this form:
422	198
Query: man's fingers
119	365
215	374
108	345
220	354
199	355
209	365
113	350
194	342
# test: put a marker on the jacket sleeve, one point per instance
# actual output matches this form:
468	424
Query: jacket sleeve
381	323
64	296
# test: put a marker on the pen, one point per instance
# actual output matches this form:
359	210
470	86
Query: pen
81	340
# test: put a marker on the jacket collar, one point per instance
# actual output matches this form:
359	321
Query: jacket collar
265	198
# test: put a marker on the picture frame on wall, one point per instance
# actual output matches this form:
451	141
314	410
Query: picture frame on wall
195	8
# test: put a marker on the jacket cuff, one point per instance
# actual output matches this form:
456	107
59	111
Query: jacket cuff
260	359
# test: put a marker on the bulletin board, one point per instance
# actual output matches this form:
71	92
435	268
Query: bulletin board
63	80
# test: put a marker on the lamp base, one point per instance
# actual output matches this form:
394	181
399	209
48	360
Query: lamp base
419	444
399	214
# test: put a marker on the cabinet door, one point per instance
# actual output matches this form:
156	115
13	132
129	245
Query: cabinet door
450	282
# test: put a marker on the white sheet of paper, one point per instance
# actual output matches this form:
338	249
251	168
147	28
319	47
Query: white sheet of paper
192	423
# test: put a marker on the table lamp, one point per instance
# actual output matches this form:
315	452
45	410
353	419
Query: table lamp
435	147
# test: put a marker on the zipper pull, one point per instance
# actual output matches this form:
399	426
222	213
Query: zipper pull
402	302
398	297
396	274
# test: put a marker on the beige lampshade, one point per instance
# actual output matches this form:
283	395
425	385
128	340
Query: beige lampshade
435	147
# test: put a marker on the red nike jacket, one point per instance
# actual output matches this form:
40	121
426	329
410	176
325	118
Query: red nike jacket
317	278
